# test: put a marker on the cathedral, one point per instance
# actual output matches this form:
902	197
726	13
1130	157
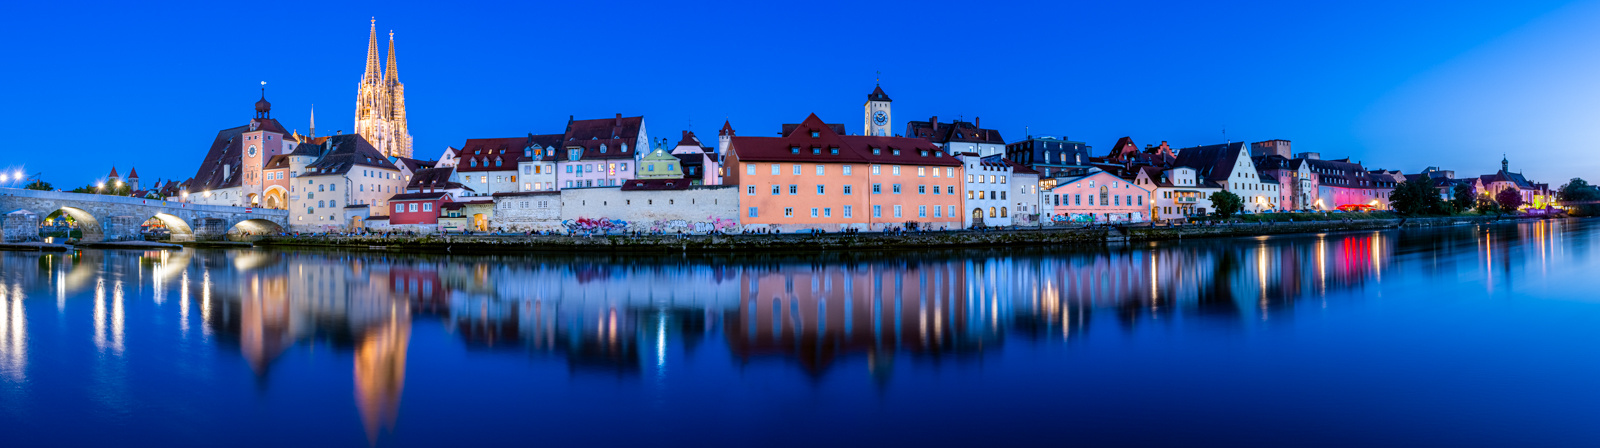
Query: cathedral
381	103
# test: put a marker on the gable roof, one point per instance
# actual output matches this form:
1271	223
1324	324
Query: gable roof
438	178
1214	162
957	131
798	145
481	154
225	152
347	151
877	94
619	135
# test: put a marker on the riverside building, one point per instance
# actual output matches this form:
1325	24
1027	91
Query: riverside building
815	177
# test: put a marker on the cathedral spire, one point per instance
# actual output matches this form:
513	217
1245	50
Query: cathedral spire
313	121
391	74
372	54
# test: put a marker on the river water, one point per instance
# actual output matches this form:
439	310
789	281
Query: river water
1457	336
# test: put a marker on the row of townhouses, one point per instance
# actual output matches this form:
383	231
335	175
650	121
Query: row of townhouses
610	174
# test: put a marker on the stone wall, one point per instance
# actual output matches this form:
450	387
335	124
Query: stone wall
694	210
20	226
539	211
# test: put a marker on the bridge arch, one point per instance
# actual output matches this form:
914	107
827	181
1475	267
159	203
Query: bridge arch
86	222
253	227
177	228
276	198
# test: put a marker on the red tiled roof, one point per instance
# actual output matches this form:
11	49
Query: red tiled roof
727	128
418	196
957	131
480	154
689	139
799	145
619	136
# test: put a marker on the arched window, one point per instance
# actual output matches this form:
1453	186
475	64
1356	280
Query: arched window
991	212
977	213
1105	196
602	148
1003	213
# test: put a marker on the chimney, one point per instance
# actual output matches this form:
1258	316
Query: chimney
619	119
977	122
935	121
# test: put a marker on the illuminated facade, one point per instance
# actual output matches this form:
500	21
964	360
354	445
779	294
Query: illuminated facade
381	103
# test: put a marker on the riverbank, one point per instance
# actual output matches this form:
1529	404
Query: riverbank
859	241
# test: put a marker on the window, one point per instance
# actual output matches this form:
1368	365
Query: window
896	188
952	212
969	178
921	172
877	211
827	212
427	206
776	189
774	169
750	169
972	194
750	190
412	207
876	169
922	211
794	189
936	213
752	212
1077	199
897	211
788	212
949	172
399	207
797	170
846	189
821	171
950	189
935	189
847	170
1141	201
813	212
877	188
897	170
821	190
847	211
922	189
569	169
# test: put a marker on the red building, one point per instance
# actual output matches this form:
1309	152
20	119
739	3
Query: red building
417	209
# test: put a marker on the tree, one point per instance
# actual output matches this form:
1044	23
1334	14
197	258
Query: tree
1462	197
1416	197
1226	203
1509	200
1486	204
1579	191
39	185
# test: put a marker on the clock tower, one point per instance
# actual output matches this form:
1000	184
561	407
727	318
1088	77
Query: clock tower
878	118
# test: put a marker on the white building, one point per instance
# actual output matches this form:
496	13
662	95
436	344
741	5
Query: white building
1229	166
988	185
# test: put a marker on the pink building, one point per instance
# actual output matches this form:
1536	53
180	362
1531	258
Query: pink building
1097	197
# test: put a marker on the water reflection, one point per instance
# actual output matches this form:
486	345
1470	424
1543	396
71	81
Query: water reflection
623	315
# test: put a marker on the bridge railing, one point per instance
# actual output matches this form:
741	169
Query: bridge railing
87	197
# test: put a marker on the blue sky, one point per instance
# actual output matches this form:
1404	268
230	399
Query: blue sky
1396	86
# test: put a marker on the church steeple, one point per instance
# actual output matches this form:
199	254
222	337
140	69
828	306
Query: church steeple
372	54
391	74
313	121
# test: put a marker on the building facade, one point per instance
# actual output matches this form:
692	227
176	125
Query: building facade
1097	197
814	178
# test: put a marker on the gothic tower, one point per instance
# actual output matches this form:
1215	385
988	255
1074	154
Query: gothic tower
380	102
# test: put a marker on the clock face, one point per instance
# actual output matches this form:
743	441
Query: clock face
252	151
880	118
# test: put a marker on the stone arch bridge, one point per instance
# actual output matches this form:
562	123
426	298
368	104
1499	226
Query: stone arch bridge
116	218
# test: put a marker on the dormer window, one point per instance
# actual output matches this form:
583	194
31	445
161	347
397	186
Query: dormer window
477	151
876	151
574	153
958	135
816	151
924	153
815	134
472	163
496	162
833	150
602	148
794	150
550	152
896	152
624	147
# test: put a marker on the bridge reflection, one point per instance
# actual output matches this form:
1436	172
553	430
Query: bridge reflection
623	315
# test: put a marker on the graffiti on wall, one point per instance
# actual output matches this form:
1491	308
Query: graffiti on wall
711	223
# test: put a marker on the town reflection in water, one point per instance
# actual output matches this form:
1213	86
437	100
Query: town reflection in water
619	314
